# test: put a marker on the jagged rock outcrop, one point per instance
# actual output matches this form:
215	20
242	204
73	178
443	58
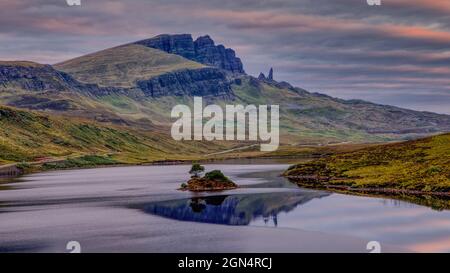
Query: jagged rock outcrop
270	77
219	56
269	80
193	82
202	50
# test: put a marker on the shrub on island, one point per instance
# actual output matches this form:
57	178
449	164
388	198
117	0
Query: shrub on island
212	181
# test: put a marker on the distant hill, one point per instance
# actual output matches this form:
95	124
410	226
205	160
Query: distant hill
136	85
316	118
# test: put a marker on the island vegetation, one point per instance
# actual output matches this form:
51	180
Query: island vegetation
212	181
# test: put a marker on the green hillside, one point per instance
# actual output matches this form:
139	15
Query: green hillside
122	66
305	118
419	165
28	137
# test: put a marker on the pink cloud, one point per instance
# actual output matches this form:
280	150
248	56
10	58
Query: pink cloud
434	5
301	23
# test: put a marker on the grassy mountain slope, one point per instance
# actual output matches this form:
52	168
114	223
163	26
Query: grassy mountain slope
122	66
21	63
305	118
29	136
311	118
421	165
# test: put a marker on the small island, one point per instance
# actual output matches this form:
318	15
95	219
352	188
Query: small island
212	181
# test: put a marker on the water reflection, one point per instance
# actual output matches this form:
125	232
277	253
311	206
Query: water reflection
233	209
436	202
5	181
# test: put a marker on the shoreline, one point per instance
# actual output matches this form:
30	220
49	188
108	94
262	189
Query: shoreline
37	167
386	192
379	191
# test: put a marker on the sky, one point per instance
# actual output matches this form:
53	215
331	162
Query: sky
397	53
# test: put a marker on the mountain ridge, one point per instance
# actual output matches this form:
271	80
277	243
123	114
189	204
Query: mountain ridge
137	85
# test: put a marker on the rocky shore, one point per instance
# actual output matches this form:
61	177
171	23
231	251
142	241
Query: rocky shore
203	184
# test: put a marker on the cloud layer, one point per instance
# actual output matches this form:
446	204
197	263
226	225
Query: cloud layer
397	53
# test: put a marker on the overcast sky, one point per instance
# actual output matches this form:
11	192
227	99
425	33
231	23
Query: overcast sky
397	53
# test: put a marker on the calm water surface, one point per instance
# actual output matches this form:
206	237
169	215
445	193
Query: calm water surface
138	209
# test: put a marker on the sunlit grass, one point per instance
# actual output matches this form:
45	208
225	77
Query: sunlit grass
413	165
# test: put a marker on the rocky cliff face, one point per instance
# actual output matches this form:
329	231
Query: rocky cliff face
208	81
219	56
33	77
202	50
180	44
198	82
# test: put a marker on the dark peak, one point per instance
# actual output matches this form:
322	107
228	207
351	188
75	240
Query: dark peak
204	40
270	77
261	76
216	55
202	50
180	44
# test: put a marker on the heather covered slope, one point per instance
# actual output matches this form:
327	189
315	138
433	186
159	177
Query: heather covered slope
418	165
28	136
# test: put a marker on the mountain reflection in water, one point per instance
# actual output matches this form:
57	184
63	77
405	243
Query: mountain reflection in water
232	209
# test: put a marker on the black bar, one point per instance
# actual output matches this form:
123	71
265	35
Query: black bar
171	262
